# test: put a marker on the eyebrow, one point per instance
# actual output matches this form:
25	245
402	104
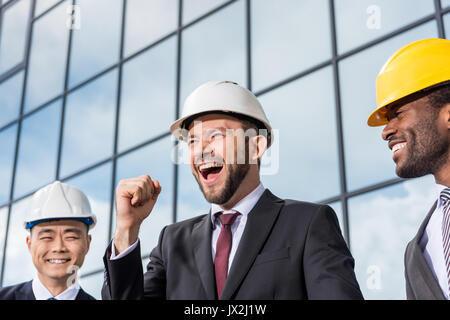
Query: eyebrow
77	231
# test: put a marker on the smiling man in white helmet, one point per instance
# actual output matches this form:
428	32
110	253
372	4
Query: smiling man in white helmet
252	244
59	222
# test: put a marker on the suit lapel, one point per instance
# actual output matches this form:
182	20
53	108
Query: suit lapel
419	270
25	292
201	240
260	221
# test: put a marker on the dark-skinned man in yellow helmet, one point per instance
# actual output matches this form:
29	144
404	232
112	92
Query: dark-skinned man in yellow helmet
413	98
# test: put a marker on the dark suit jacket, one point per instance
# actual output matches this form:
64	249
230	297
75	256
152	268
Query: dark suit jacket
289	250
24	291
420	281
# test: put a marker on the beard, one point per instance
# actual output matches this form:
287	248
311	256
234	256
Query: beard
237	173
426	150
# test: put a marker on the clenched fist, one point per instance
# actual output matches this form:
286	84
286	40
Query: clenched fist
135	199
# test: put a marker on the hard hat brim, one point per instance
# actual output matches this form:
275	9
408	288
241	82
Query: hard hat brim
90	222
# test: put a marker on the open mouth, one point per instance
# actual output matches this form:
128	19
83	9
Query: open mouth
210	171
57	261
396	149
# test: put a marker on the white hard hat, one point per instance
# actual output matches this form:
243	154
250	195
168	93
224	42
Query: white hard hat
224	97
58	201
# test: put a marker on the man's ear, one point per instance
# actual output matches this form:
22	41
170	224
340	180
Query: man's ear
28	240
258	145
446	112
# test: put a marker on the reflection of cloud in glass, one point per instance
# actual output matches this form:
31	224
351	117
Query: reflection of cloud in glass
352	19
18	264
89	124
148	21
38	149
155	161
42	5
14	31
214	49
95	45
447	24
193	9
8	145
3	218
47	63
445	3
283	46
92	284
10	96
308	157
96	184
368	159
381	225
148	95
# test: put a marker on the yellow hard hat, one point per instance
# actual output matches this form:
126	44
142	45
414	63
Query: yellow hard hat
416	66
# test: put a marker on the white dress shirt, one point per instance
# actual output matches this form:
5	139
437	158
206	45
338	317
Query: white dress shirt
41	292
432	246
243	207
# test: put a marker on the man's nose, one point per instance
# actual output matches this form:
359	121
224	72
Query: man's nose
388	130
59	244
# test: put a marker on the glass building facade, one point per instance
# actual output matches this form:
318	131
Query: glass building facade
88	89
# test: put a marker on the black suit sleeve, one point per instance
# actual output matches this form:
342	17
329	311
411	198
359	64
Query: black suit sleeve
124	278
409	292
329	265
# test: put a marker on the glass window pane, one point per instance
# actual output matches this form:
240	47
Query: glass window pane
337	207
358	22
8	147
154	160
148	21
89	124
93	284
42	5
381	224
96	184
148	95
303	111
47	65
38	150
447	25
18	263
368	159
10	98
193	9
96	43
3	219
214	49
285	46
445	3
13	34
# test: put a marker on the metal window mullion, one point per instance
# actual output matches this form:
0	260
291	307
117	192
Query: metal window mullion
439	19
249	44
339	126
19	129
117	120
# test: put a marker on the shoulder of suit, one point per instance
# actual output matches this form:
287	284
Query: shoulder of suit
7	293
187	222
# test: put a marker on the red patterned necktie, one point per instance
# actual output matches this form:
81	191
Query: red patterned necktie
223	248
445	197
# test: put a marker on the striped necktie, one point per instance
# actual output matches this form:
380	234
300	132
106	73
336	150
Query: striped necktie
445	197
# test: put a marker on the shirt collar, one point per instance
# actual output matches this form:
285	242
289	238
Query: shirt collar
244	206
41	292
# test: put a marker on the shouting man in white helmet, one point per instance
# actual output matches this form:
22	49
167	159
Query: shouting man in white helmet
59	223
252	244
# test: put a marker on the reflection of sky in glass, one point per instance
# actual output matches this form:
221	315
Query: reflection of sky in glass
18	264
13	34
89	124
148	21
368	159
381	224
92	284
10	97
148	95
308	157
47	63
447	25
337	207
282	47
3	218
356	20
96	184
95	45
214	49
193	9
445	3
154	160
42	5
38	149
8	145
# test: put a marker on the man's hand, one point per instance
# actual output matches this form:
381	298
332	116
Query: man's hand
135	199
